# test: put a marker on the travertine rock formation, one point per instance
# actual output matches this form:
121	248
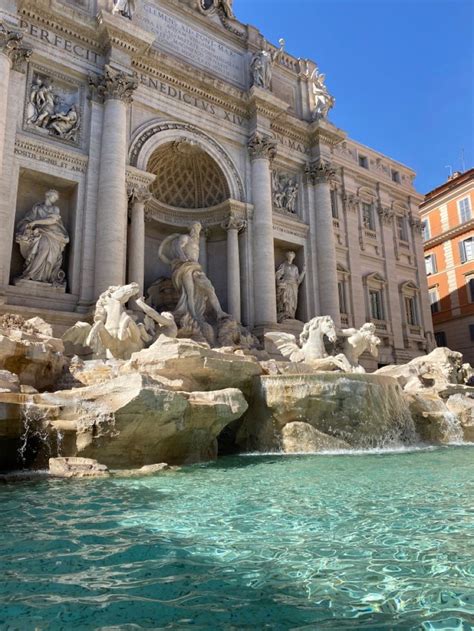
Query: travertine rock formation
300	437
133	421
77	468
36	358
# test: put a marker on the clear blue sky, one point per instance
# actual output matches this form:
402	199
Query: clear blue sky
402	72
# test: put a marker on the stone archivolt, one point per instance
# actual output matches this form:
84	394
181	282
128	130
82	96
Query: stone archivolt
187	177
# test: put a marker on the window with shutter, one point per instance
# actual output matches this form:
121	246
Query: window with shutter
464	206
466	250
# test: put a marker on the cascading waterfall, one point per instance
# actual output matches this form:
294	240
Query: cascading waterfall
34	435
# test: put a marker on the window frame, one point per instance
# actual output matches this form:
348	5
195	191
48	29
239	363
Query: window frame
460	211
463	251
445	339
435	305
434	266
425	234
363	161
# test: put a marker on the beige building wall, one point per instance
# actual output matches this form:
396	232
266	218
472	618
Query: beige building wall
185	137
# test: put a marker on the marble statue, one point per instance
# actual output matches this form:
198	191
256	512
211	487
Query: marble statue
323	101
42	238
285	192
358	341
65	125
115	334
226	7
46	111
125	8
312	348
288	280
261	66
197	294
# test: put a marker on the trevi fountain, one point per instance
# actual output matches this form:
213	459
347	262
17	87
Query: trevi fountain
177	455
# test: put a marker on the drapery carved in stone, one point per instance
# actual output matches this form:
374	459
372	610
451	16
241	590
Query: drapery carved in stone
320	171
113	84
261	146
285	192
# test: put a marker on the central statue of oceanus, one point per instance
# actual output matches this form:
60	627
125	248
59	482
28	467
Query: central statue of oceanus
198	298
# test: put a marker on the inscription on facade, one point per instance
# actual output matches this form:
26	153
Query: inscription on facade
195	46
189	99
58	41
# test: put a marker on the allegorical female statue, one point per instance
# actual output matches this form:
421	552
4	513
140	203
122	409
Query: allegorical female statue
42	238
288	280
261	66
126	8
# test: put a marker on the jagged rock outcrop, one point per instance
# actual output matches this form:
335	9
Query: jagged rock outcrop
9	382
133	421
361	410
300	437
436	371
28	350
77	468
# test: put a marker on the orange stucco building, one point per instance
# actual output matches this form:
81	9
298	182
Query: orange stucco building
448	233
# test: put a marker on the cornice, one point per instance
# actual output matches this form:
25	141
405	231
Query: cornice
43	13
115	32
265	103
215	216
290	225
46	152
449	234
324	132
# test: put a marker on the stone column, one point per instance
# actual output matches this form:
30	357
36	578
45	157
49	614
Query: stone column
138	197
11	52
262	151
116	88
12	56
319	175
204	236
233	225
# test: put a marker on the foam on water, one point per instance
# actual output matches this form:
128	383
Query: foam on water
381	541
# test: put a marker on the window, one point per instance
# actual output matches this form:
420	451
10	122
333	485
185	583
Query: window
411	310
342	296
466	249
395	176
464	206
363	162
368	216
402	229
471	332
376	304
425	227
434	300
440	338
470	288
334	208
430	264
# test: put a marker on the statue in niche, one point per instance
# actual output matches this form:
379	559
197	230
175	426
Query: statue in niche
45	110
125	8
197	294
288	280
323	101
116	334
261	66
42	238
285	192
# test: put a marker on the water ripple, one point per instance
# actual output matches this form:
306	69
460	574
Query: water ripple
376	542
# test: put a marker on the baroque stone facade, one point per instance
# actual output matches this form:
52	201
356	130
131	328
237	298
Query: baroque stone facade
145	121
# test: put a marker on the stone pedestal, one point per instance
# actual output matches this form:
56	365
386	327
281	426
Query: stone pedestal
262	151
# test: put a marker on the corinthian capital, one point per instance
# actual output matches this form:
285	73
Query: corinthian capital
320	171
262	146
386	215
139	195
416	224
234	223
10	46
113	84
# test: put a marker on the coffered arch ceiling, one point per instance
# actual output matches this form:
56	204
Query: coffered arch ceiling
187	176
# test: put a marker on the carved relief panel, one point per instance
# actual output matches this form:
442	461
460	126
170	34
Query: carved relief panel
53	105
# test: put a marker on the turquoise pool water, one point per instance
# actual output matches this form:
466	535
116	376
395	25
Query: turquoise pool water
375	541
